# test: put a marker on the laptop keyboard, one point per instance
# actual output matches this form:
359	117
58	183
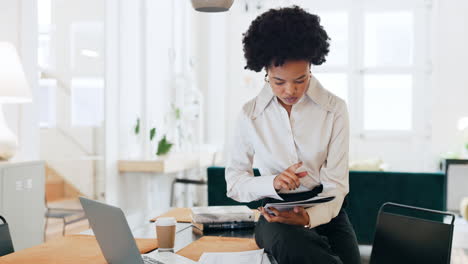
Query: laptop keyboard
149	260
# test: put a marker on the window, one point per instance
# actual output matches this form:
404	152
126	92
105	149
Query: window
388	39
334	76
45	32
336	25
47	87
87	95
387	102
388	47
47	103
373	62
337	83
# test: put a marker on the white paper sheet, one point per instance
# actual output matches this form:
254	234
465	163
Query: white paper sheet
244	257
265	259
220	214
169	258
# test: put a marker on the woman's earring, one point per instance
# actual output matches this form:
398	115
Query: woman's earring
266	79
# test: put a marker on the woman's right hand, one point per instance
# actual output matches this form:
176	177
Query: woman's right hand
289	179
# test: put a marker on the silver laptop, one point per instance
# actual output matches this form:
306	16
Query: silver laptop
116	240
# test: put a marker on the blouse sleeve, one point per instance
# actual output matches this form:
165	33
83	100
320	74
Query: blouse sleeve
242	186
334	174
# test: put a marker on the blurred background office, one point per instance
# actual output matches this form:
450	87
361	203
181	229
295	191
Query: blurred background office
118	84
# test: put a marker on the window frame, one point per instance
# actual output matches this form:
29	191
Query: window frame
420	70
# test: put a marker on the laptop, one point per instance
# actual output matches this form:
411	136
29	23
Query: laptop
116	240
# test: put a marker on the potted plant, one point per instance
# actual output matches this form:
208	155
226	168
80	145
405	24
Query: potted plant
163	147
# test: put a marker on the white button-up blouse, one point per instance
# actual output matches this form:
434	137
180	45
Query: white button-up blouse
316	133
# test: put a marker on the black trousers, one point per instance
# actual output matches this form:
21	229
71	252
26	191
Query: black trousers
334	242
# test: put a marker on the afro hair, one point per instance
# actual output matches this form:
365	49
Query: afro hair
283	34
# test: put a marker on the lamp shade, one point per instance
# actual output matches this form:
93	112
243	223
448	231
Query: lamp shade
212	5
14	87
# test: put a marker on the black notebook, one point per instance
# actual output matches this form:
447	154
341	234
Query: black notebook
224	226
286	206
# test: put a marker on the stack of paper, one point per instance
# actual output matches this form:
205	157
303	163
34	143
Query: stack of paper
221	214
244	257
286	206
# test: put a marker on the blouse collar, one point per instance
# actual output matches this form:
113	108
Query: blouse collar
315	92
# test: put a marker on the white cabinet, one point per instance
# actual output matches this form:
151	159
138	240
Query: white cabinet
457	185
22	192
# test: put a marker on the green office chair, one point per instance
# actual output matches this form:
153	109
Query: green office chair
6	245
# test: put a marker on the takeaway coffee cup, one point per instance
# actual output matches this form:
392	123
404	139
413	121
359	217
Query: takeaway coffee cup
165	232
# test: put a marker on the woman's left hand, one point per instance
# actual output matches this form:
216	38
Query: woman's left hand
297	216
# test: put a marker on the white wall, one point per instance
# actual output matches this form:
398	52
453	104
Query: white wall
220	70
139	73
71	149
131	76
212	64
450	78
243	84
18	26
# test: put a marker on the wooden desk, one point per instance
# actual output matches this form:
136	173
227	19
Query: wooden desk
65	250
74	249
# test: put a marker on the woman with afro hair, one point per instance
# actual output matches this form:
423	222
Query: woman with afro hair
297	134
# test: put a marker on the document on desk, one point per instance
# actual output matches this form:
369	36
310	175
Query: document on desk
244	257
286	206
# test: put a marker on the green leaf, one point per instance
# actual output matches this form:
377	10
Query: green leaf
177	113
152	133
164	146
137	127
466	146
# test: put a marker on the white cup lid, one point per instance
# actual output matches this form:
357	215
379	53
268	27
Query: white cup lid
166	221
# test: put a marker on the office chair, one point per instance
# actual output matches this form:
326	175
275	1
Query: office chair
6	245
67	215
412	239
